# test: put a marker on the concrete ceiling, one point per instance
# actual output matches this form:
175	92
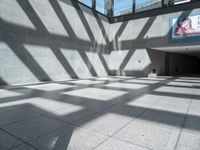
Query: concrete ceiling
188	50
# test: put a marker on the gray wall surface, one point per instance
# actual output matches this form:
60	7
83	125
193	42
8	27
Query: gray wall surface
50	40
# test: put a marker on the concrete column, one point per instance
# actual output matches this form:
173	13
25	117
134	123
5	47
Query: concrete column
133	6
109	7
94	4
171	3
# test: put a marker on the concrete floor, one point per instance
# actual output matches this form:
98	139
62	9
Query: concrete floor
107	113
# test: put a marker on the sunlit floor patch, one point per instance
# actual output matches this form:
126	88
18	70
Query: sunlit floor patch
183	84
49	87
143	114
8	93
126	85
85	82
96	94
142	81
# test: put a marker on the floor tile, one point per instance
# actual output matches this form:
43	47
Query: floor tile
8	117
165	119
177	101
23	147
68	138
4	93
97	106
150	136
188	141
145	100
104	123
183	84
192	124
32	128
49	87
126	110
176	90
47	105
170	108
85	82
195	103
7	141
70	114
115	144
194	111
142	81
96	94
126	85
148	117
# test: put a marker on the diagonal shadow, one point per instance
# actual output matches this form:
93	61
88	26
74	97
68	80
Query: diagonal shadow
28	61
140	36
128	97
3	82
39	25
58	10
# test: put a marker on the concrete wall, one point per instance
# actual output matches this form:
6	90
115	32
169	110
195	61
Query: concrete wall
136	41
48	40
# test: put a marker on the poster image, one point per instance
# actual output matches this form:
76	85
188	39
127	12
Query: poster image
185	28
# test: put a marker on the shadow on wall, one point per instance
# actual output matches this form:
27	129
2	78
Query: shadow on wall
45	43
50	40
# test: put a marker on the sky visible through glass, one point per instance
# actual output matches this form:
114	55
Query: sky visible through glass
121	6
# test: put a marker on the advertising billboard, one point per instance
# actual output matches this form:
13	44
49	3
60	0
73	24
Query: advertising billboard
185	28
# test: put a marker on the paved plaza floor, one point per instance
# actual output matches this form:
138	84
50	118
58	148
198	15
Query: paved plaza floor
103	113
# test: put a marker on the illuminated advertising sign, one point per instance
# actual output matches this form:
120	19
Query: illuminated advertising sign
185	28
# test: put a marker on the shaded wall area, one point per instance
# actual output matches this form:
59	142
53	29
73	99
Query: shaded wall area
182	64
51	40
138	42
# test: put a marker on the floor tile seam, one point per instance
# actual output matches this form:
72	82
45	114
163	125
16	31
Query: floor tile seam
106	139
89	101
191	132
61	108
98	113
20	108
126	141
183	124
64	124
112	136
63	127
4	125
159	109
52	131
67	122
90	131
166	111
21	140
50	92
22	145
158	125
181	106
149	109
